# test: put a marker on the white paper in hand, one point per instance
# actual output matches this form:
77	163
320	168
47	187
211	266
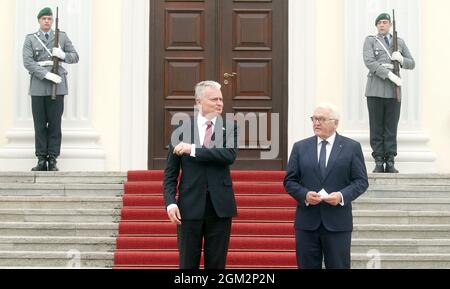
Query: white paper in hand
323	193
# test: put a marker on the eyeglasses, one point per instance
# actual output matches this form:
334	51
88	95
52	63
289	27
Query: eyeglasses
321	119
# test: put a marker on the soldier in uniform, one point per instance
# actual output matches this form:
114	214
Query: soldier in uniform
38	51
384	109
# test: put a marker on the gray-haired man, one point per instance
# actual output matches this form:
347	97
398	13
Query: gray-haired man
206	204
38	51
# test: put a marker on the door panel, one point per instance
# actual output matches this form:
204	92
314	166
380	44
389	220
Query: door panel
200	40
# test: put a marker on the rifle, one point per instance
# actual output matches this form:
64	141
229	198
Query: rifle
55	68
398	89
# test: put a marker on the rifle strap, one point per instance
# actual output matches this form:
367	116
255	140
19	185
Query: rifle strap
384	47
43	45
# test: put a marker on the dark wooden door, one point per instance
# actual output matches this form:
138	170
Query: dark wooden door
240	43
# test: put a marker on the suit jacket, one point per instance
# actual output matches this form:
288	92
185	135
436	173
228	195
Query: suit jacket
208	171
378	83
346	173
34	52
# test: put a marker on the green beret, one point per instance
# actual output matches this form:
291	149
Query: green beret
383	16
45	12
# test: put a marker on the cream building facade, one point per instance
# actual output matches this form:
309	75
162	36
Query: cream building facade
106	117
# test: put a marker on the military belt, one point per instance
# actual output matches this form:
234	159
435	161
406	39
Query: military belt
45	63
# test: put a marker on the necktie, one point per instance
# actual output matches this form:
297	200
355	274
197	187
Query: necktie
323	159
47	36
208	135
386	39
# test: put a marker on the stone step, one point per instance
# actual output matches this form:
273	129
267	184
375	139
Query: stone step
64	177
65	244
401	217
105	215
402	204
54	216
104	190
406	191
373	231
410	179
71	259
383	231
80	189
56	202
93	202
58	229
401	246
400	261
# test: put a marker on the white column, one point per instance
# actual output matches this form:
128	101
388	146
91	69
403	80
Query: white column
414	154
135	94
80	150
302	71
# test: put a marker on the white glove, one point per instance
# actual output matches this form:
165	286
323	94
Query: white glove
388	66
59	53
397	56
395	79
53	77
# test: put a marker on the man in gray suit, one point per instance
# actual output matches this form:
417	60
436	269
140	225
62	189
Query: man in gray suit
38	51
384	109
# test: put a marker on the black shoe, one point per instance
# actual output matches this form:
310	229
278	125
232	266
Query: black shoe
41	165
390	166
379	166
52	164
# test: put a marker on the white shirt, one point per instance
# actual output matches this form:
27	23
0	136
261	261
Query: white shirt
202	125
329	148
330	144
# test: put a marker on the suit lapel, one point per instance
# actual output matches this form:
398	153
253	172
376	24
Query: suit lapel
335	151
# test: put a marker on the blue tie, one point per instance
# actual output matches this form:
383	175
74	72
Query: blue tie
323	159
386	39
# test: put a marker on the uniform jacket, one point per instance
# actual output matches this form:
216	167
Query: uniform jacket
378	83
34	52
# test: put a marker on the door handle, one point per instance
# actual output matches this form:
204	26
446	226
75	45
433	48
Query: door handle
230	75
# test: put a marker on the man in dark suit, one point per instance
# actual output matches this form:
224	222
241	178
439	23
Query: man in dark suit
206	202
326	173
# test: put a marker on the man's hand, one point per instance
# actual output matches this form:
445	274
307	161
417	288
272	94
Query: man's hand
182	148
175	216
58	52
53	77
388	66
397	56
333	199
313	198
395	79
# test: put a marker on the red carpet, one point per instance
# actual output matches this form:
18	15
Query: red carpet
262	234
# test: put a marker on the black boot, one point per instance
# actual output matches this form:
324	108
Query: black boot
390	165
41	165
52	164
379	165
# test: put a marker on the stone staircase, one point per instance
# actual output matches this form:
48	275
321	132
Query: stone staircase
402	222
54	220
59	220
